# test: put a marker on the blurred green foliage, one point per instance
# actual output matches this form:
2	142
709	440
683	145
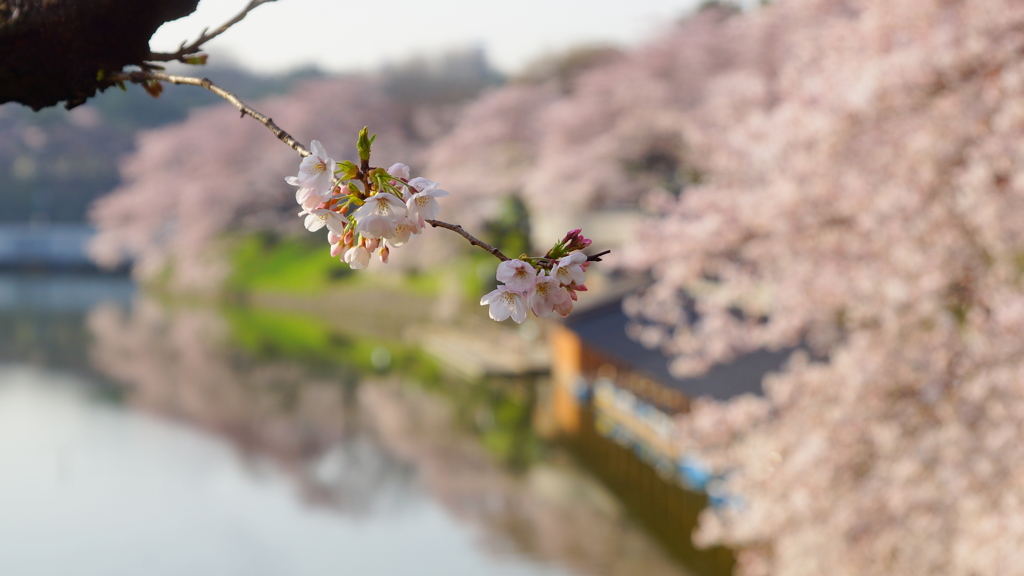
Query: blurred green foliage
507	431
299	265
276	335
265	262
510	231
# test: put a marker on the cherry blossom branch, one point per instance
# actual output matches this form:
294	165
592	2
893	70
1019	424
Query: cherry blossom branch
151	76
472	239
146	76
185	51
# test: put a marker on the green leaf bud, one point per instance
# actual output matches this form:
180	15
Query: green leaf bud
364	143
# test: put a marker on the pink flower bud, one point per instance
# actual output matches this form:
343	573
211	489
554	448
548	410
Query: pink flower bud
384	254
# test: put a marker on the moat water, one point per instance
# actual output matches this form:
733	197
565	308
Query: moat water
138	437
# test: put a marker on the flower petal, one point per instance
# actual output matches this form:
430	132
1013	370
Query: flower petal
317	149
498	311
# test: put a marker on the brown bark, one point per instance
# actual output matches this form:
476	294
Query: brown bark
53	50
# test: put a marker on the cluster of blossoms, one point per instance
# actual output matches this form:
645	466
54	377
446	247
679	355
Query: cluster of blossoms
368	209
543	284
365	209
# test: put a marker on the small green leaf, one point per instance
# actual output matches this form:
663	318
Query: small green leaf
363	144
346	169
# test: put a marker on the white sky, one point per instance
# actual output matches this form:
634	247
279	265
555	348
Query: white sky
291	33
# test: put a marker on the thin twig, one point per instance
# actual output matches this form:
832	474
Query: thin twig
193	48
147	76
472	239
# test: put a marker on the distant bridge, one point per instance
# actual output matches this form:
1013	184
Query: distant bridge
45	245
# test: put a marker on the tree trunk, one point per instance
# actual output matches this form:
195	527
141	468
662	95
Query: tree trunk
53	50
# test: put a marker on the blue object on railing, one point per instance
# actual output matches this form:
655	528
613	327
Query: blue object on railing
583	390
720	499
694	473
619	435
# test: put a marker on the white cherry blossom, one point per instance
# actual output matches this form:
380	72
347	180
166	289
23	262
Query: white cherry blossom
357	257
421	184
423	205
569	269
404	230
505	303
316	171
399	170
376	226
546	294
382	204
307	198
320	217
564	306
516	274
379	215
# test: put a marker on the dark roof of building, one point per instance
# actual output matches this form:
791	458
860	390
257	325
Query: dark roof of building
603	328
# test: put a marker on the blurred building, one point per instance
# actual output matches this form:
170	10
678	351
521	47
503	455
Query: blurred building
44	245
634	397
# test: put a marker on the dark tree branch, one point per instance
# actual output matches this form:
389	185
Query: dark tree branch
151	76
472	239
185	51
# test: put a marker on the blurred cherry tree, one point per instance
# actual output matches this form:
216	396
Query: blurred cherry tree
840	175
863	195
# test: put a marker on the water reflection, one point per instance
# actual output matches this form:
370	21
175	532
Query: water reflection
668	513
42	316
89	488
250	442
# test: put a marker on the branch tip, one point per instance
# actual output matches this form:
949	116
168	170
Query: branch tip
184	51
